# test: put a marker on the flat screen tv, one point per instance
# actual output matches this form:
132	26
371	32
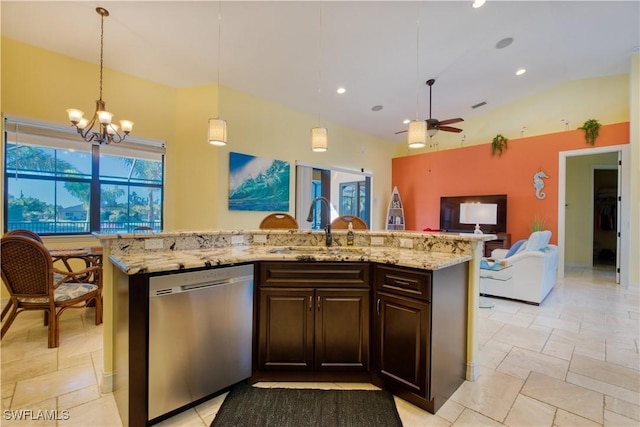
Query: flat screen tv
450	213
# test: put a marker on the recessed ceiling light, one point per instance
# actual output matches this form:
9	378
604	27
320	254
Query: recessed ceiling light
504	42
406	121
376	108
341	90
521	71
478	3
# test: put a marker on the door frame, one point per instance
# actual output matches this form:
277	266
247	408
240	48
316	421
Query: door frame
625	205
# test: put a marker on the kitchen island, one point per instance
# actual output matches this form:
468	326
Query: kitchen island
434	270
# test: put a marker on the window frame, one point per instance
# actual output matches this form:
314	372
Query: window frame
56	137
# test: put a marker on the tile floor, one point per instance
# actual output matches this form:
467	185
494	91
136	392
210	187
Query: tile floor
572	361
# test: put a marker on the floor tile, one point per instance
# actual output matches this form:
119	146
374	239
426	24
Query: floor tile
520	363
470	418
412	416
101	412
492	394
616	420
522	337
578	400
530	412
609	373
567	419
52	385
602	387
622	407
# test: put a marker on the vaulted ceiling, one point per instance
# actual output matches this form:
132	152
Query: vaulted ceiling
297	53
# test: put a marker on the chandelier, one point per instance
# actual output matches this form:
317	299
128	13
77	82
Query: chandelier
100	129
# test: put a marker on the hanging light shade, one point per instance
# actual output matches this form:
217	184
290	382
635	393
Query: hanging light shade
319	140
217	132
218	127
417	134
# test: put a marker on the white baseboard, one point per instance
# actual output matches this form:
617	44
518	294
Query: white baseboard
106	385
473	371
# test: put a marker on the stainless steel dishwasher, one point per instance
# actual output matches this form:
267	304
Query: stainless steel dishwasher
200	335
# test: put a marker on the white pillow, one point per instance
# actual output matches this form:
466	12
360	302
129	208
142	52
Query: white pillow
538	240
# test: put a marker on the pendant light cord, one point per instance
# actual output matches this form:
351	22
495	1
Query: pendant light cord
320	67
417	58
219	36
101	50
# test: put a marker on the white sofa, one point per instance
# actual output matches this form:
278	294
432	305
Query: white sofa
528	274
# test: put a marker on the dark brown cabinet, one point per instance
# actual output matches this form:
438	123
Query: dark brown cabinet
419	332
313	317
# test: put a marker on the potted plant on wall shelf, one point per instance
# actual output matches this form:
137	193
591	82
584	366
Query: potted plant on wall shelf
591	130
498	144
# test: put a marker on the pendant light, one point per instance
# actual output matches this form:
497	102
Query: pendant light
217	134
417	134
319	137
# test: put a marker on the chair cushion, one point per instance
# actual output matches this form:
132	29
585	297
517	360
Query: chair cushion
538	240
65	292
517	247
68	291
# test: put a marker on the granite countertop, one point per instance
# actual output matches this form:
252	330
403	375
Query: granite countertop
161	261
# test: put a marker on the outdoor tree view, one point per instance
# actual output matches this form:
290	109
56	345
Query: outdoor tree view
49	191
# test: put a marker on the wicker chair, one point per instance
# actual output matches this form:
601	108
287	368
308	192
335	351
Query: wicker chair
28	273
24	233
342	223
279	220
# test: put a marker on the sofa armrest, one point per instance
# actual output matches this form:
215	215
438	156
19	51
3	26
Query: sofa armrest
499	253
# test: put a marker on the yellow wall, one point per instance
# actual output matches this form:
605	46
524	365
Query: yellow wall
41	85
605	99
578	229
262	128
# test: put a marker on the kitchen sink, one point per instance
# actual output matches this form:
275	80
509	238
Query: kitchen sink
305	250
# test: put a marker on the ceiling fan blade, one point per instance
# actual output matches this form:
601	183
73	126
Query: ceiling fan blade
449	129
451	121
402	131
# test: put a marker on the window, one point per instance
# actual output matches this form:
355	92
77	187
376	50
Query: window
57	184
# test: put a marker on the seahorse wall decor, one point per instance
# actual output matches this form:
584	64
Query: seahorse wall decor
538	184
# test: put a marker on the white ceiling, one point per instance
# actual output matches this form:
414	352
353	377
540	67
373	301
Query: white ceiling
283	51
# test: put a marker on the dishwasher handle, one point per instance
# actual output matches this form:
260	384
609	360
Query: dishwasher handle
177	289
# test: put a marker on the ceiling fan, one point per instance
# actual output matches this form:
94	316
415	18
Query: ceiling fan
434	125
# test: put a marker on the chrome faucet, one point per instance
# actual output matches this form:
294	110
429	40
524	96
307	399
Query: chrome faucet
327	230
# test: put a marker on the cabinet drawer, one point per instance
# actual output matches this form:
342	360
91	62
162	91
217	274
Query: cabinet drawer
316	274
403	281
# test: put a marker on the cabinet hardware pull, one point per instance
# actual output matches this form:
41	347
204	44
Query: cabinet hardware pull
318	302
310	302
378	306
402	282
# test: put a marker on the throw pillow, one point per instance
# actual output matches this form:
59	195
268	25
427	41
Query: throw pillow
517	246
538	240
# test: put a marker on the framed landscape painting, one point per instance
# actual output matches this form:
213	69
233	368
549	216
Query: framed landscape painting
258	183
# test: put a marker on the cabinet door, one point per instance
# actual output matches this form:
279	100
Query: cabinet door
285	338
401	343
342	329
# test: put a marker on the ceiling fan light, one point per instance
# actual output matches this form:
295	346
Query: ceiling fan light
432	132
417	134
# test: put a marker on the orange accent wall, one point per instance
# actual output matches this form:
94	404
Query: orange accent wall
423	178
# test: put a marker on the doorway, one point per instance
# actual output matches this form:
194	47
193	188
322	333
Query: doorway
605	217
576	208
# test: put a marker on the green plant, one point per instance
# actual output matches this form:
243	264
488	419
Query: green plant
498	145
538	224
591	130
